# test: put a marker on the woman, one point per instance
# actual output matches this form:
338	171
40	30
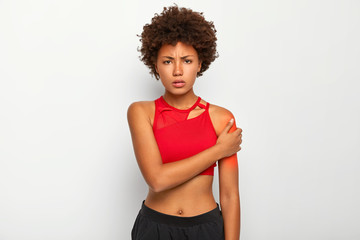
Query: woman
178	138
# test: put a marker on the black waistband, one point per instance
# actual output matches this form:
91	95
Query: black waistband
159	217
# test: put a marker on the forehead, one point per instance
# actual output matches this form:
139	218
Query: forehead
180	49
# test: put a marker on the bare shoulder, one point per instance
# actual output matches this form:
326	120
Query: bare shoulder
141	110
220	117
220	112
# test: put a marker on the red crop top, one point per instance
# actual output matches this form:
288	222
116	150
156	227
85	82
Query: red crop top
179	137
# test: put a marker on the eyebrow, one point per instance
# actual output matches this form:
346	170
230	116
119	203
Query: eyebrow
168	57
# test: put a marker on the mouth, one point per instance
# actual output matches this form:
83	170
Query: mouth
178	83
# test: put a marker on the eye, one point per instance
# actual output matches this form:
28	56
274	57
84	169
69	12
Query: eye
187	61
167	62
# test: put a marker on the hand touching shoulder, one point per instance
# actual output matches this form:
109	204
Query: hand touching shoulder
220	117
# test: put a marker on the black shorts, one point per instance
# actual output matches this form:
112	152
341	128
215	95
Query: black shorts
153	225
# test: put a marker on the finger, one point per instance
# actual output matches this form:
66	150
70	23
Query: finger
238	131
228	126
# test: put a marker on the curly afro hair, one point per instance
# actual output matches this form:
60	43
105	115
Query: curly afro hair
174	25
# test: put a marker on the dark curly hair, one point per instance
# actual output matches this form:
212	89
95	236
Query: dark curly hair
174	25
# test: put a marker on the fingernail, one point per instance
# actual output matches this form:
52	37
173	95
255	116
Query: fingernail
232	120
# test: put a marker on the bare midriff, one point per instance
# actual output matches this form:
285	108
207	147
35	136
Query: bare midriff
191	198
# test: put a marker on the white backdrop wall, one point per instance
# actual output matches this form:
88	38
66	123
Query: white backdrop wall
288	70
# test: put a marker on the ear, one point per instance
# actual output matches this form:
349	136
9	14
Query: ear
156	68
199	68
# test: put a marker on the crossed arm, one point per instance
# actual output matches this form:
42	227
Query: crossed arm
161	176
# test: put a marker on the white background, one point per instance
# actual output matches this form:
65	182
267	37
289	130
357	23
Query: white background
288	70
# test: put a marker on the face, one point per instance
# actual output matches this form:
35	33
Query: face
177	67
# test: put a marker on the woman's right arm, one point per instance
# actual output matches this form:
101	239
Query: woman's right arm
161	176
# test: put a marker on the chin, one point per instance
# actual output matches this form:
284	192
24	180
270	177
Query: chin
178	91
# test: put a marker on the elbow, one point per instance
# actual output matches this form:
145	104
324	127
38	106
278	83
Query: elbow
230	202
156	184
155	179
230	197
159	181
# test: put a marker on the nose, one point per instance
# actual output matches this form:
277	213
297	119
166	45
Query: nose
178	71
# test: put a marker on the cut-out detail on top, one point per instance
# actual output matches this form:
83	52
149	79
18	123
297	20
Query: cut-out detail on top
195	113
169	115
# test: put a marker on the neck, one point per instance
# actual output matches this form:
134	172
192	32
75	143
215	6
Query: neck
180	101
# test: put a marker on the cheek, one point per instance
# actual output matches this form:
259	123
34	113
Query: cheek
165	75
194	70
162	72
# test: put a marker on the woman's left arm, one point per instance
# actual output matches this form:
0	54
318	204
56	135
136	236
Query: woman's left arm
229	196
228	179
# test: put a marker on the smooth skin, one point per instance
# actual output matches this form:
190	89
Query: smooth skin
176	188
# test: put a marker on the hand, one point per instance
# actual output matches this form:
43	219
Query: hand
229	142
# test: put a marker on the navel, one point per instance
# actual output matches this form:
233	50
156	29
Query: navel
180	212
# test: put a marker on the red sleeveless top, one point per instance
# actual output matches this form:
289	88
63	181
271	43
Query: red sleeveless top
179	137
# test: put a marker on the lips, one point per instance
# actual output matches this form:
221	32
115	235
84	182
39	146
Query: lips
178	83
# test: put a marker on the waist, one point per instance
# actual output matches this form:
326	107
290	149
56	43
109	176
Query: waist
188	199
209	216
